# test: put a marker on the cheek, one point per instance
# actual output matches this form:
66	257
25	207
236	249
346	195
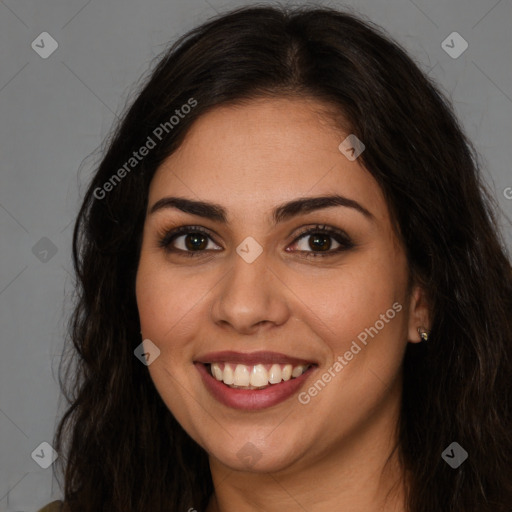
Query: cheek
171	303
165	307
367	311
345	302
363	322
160	294
150	299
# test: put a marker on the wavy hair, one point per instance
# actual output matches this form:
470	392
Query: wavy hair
123	449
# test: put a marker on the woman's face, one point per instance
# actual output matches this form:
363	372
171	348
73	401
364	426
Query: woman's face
254	282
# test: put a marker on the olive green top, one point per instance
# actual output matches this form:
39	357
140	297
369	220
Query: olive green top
54	506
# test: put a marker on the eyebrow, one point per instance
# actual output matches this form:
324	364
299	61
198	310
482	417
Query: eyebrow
281	213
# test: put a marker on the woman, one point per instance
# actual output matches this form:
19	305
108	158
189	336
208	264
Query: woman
292	288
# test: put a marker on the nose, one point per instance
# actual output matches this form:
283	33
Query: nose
251	297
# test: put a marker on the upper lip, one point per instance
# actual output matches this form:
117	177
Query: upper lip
251	358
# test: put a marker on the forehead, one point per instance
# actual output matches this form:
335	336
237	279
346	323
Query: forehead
253	156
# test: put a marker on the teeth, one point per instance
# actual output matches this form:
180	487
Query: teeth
275	374
287	372
216	371
227	375
242	375
259	376
297	371
255	377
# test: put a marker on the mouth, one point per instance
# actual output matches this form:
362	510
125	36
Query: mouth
252	381
259	376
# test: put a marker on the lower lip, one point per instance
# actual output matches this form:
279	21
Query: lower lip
251	399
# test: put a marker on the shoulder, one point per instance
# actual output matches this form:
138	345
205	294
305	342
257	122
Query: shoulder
54	506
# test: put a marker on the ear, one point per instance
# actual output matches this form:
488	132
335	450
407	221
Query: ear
419	314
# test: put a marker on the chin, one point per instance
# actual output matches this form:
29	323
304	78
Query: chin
254	453
253	460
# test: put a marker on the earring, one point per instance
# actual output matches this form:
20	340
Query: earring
423	333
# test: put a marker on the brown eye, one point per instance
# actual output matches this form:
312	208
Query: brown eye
191	241
319	240
195	241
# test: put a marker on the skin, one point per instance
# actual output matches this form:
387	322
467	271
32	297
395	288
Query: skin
329	454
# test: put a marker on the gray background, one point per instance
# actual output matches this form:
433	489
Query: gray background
55	112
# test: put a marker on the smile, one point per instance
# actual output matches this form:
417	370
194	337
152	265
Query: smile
259	376
252	381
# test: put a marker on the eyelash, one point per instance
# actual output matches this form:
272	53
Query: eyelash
339	236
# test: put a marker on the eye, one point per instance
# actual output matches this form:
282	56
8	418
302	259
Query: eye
195	240
320	241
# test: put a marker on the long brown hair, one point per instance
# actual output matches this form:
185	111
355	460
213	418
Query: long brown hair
124	450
